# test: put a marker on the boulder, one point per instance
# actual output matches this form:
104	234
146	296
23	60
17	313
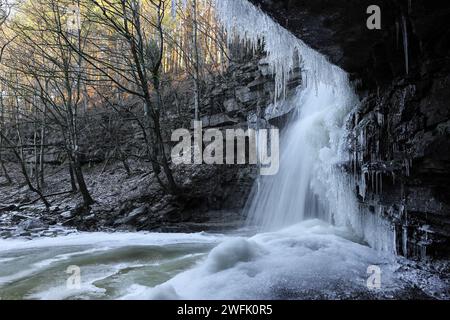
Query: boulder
32	224
231	105
7	207
67	214
132	216
218	120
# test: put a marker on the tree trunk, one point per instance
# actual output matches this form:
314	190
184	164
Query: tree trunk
36	154
23	168
5	172
172	187
196	64
72	179
2	123
87	198
42	148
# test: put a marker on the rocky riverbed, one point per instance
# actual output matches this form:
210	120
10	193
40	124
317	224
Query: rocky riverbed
125	203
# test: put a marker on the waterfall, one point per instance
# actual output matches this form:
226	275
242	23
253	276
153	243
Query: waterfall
311	182
307	182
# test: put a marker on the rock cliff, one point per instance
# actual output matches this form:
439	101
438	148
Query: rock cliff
400	134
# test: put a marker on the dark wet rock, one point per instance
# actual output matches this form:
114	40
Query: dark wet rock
5	234
338	30
67	214
72	222
80	209
409	160
50	220
171	213
18	217
90	217
7	208
231	105
22	233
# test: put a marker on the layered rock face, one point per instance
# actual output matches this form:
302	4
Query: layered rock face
400	135
243	94
239	98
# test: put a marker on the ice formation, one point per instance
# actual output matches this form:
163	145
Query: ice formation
244	21
307	260
405	43
310	182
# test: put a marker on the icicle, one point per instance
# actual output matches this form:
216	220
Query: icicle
372	180
362	139
376	182
380	119
404	214
363	186
381	183
405	241
242	20
407	167
423	248
405	43
424	242
397	33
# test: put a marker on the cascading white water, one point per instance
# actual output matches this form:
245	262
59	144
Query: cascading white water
305	184
312	144
310	182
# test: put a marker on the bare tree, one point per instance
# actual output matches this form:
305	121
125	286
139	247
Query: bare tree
5	10
2	129
138	25
54	76
54	65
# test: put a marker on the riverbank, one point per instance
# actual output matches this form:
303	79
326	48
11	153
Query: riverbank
126	201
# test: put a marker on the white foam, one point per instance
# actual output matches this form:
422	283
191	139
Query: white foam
90	274
67	256
308	257
232	252
161	292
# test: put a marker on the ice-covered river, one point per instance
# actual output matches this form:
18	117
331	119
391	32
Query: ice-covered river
306	261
